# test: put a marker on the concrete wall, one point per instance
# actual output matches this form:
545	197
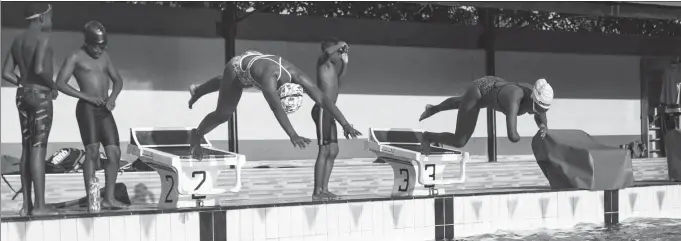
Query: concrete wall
386	86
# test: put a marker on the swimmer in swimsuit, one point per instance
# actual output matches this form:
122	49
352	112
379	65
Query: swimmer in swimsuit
32	56
331	65
282	84
93	69
512	99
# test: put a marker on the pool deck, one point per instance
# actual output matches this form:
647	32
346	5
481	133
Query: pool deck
277	181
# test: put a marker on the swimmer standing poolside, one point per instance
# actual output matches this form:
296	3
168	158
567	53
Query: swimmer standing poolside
282	84
32	55
512	99
331	65
93	70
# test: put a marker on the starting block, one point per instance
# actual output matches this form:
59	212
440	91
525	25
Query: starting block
414	173
185	182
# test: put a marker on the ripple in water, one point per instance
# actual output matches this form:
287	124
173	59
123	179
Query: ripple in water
633	229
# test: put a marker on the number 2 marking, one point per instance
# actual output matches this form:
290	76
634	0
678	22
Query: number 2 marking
406	180
203	179
170	179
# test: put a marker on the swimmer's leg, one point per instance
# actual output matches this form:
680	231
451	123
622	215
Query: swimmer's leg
330	160
113	154
198	91
24	166
451	103
26	179
319	168
322	154
109	131
41	124
467	119
228	99
331	132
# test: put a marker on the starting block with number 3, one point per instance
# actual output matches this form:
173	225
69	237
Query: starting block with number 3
185	182
415	174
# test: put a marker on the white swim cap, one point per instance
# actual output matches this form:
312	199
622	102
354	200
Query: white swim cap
250	52
291	96
542	93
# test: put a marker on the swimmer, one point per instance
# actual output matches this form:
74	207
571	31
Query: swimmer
93	69
512	99
32	55
331	65
282	85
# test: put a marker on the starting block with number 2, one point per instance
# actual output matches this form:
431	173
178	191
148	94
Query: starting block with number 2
415	174
185	182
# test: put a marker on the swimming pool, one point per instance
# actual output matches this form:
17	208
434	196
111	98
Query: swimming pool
633	229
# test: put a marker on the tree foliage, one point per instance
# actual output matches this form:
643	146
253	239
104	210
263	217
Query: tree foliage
429	13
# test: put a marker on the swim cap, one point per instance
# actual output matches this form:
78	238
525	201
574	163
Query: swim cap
251	52
95	33
542	93
34	10
291	96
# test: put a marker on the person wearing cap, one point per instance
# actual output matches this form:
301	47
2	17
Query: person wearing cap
93	69
512	99
32	56
281	83
331	65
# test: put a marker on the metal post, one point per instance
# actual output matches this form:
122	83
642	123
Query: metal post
488	39
229	27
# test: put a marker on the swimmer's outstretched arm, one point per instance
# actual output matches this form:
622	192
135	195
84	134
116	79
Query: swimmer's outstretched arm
319	97
540	119
8	67
42	69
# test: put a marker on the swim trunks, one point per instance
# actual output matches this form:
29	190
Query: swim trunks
244	74
326	126
96	124
34	103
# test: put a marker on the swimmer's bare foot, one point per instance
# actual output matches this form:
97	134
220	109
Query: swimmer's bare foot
428	112
113	204
26	210
321	196
332	195
194	98
425	144
195	148
46	210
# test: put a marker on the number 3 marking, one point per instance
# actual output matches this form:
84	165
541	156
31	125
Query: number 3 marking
431	166
406	180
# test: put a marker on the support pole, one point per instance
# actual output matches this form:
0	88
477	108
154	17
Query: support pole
229	30
489	24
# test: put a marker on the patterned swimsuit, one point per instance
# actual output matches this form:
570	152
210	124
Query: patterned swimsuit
244	75
491	99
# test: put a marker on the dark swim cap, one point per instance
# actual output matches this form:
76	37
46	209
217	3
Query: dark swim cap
94	33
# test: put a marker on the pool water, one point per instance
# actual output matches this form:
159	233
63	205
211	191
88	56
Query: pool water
633	229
